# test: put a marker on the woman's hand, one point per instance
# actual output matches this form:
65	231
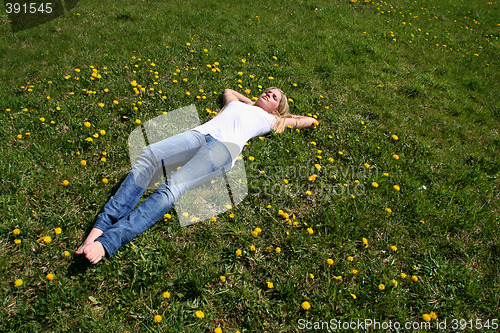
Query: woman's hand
301	122
230	96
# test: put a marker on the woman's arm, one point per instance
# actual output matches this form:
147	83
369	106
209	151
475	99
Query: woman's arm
231	96
301	122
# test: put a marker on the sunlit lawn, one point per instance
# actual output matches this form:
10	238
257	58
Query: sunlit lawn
387	211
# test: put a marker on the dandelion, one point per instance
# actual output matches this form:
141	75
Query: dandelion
251	158
49	277
394	283
252	248
166	294
16	231
18	282
389	210
395	137
354	296
137	121
350	258
397	188
396	156
238	252
199	314
218	330
66	253
433	315
367	165
308	192
310	231
414	278
354	271
278	250
65	182
270	285
365	242
157	319
42	119
305	305
403	275
394	248
83	162
17	241
285	181
426	317
104	180
47	239
101	105
223	279
381	287
58	231
329	261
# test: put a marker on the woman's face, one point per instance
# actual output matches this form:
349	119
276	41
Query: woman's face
269	100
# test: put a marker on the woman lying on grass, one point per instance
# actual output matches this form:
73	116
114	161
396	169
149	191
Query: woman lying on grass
204	152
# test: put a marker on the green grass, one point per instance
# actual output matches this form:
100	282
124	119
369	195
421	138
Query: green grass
424	71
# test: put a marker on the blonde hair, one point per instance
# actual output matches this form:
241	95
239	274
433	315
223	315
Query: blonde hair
282	112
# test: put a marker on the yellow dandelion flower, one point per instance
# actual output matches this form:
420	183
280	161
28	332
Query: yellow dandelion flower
381	287
157	319
350	258
42	119
167	216
354	296
354	271
329	261
367	165
397	188
270	285
310	231
389	210
166	294
305	305
394	248
426	317
403	275
375	184
394	283
47	239
252	248
58	231
49	277
308	192
433	315
285	181
396	156
65	182
278	250
104	180
17	241
395	137
251	158
66	253
137	121
222	278
365	242
18	282
238	252
218	330
83	162
16	231
414	278
199	314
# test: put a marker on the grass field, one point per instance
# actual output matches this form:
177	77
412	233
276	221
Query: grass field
387	211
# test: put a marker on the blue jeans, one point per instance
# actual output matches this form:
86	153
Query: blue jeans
202	158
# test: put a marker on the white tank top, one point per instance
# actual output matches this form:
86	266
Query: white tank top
236	124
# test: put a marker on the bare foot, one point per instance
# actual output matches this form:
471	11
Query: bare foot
94	252
92	236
